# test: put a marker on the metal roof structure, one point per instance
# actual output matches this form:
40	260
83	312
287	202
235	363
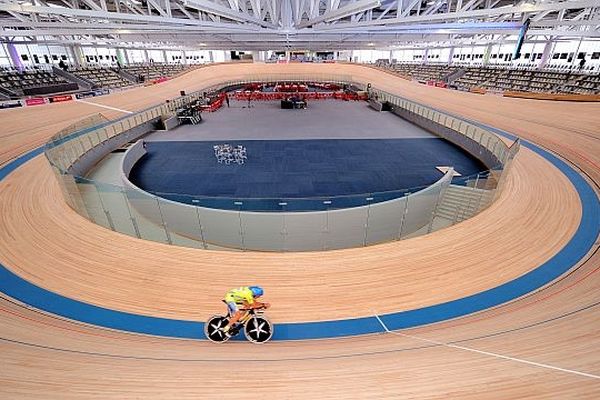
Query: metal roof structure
293	24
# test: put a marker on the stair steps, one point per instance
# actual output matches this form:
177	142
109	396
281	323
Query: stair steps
462	202
83	83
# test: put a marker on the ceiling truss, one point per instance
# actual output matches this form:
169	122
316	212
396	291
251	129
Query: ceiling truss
292	24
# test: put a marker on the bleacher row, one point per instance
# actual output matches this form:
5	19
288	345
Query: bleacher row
144	72
35	80
501	78
101	77
31	82
421	72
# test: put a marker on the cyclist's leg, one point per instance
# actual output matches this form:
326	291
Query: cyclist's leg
232	308
234	315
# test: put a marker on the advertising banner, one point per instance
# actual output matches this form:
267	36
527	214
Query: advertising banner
35	101
160	80
59	99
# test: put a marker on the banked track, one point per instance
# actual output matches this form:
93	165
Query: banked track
46	243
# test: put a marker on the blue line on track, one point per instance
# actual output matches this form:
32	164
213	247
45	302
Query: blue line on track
579	245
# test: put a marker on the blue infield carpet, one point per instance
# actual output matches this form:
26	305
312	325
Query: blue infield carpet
292	169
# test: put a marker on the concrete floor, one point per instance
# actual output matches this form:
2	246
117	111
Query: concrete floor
323	119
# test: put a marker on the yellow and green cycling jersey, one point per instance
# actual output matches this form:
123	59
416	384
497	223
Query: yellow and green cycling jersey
240	295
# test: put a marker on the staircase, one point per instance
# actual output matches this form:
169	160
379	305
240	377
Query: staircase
454	75
128	76
69	77
462	202
6	94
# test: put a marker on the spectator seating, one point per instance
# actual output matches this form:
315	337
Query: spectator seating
101	77
151	72
581	84
529	80
33	81
554	79
39	80
422	72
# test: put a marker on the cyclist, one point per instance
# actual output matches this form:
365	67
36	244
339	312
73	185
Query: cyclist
246	298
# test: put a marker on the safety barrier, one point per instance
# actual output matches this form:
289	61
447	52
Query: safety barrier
366	219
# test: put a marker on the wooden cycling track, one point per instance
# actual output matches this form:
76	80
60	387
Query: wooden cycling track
544	345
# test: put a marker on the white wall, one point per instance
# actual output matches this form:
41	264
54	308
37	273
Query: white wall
136	56
409	55
197	56
567	52
102	56
501	54
156	56
41	55
105	56
369	56
220	55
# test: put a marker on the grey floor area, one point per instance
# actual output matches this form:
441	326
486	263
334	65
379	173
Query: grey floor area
323	119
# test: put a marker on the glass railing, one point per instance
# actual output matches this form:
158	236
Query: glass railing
274	224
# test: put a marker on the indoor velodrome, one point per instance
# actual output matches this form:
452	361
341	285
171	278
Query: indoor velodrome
300	199
540	344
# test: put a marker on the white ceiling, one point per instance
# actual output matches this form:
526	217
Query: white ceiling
292	24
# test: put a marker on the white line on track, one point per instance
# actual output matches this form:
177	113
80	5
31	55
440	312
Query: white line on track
487	353
103	106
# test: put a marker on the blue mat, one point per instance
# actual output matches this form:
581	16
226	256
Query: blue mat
291	171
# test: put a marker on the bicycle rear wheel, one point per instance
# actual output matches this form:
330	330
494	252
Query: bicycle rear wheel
213	329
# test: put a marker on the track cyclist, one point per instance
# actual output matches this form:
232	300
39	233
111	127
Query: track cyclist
244	298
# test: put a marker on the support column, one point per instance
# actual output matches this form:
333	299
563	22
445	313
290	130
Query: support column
545	55
486	55
72	56
121	57
574	61
78	56
450	55
183	57
146	58
14	56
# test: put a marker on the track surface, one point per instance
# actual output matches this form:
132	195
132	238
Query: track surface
544	345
